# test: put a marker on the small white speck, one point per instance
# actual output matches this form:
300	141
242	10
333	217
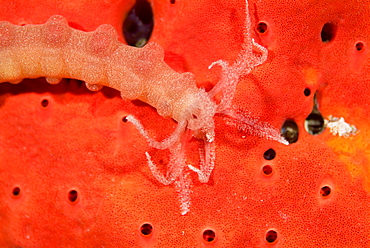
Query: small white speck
283	216
27	236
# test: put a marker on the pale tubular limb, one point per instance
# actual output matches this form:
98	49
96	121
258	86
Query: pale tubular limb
183	188
227	84
166	143
176	165
243	65
177	157
207	162
175	174
253	126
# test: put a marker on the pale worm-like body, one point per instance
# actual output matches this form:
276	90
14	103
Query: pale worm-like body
54	50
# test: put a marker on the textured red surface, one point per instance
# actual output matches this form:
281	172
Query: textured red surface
79	142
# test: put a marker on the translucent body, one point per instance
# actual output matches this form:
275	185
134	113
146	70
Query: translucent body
55	51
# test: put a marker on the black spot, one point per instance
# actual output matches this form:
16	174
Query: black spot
261	27
267	170
45	103
271	236
328	32
359	46
80	83
138	25
172	1
314	123
146	229
269	154
325	191
72	195
290	131
209	235
124	119
16	191
307	92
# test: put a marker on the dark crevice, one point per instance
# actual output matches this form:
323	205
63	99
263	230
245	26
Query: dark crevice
290	131
314	123
138	25
328	32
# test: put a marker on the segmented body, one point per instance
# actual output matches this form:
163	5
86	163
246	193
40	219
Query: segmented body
55	51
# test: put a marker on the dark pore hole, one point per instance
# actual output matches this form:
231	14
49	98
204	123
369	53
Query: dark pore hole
209	235
124	119
261	27
359	46
146	229
289	131
269	154
16	191
267	170
328	32
72	195
172	1
44	103
138	25
307	92
271	236
325	191
314	123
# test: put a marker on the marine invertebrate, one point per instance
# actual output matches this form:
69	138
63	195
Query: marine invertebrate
56	51
60	138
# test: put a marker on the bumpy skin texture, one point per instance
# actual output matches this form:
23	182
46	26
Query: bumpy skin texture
78	141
